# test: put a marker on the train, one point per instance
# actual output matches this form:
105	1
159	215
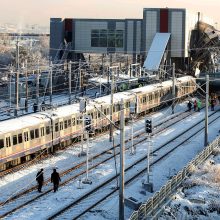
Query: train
26	137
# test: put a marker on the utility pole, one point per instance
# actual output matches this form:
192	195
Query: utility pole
26	85
132	135
17	79
112	101
122	137
80	78
206	110
174	89
70	82
37	84
51	83
10	75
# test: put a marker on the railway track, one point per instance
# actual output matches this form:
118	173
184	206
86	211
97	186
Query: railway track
19	198
100	193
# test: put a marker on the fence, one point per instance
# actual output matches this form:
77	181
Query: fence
149	209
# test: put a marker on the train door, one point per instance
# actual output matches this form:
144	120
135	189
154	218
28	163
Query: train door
56	131
8	144
26	138
2	146
42	135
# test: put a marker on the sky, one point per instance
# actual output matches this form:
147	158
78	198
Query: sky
39	11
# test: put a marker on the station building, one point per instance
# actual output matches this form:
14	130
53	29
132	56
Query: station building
162	34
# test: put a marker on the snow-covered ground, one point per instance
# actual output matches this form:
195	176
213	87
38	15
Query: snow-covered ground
198	198
13	183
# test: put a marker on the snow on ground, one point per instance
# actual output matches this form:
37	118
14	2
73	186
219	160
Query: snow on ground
64	159
161	172
199	196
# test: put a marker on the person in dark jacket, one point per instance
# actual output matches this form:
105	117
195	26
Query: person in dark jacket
189	105
55	179
40	179
35	107
212	104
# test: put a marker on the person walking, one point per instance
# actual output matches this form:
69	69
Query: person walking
35	107
195	105
212	104
55	179
189	105
40	179
199	104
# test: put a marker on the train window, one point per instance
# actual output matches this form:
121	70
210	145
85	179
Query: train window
56	127
1	143
42	132
36	133
99	115
65	124
69	123
61	125
15	140
8	142
19	138
47	130
73	121
105	112
26	136
32	134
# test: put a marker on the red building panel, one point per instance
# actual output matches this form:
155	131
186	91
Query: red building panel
164	14
68	25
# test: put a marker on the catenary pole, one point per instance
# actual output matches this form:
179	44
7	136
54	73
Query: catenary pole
173	90
206	110
26	82
70	82
51	83
37	84
121	189
111	106
17	79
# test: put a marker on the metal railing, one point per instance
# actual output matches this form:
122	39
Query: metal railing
149	209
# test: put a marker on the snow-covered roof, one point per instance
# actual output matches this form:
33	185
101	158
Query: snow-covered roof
21	122
68	110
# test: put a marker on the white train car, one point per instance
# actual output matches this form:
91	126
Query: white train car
23	138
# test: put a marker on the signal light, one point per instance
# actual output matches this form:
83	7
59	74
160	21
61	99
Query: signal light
148	126
88	124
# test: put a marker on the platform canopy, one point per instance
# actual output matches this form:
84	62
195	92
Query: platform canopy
157	49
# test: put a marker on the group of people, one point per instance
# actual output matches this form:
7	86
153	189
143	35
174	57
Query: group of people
55	179
197	105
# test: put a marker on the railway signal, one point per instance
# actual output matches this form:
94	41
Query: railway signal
87	124
148	126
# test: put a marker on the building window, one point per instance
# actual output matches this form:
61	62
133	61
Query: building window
107	38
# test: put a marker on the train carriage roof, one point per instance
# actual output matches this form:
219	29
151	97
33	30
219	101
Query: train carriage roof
21	122
65	111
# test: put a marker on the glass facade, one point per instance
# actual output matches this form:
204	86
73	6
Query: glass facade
107	38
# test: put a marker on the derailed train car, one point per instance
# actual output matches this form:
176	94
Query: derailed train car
23	138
